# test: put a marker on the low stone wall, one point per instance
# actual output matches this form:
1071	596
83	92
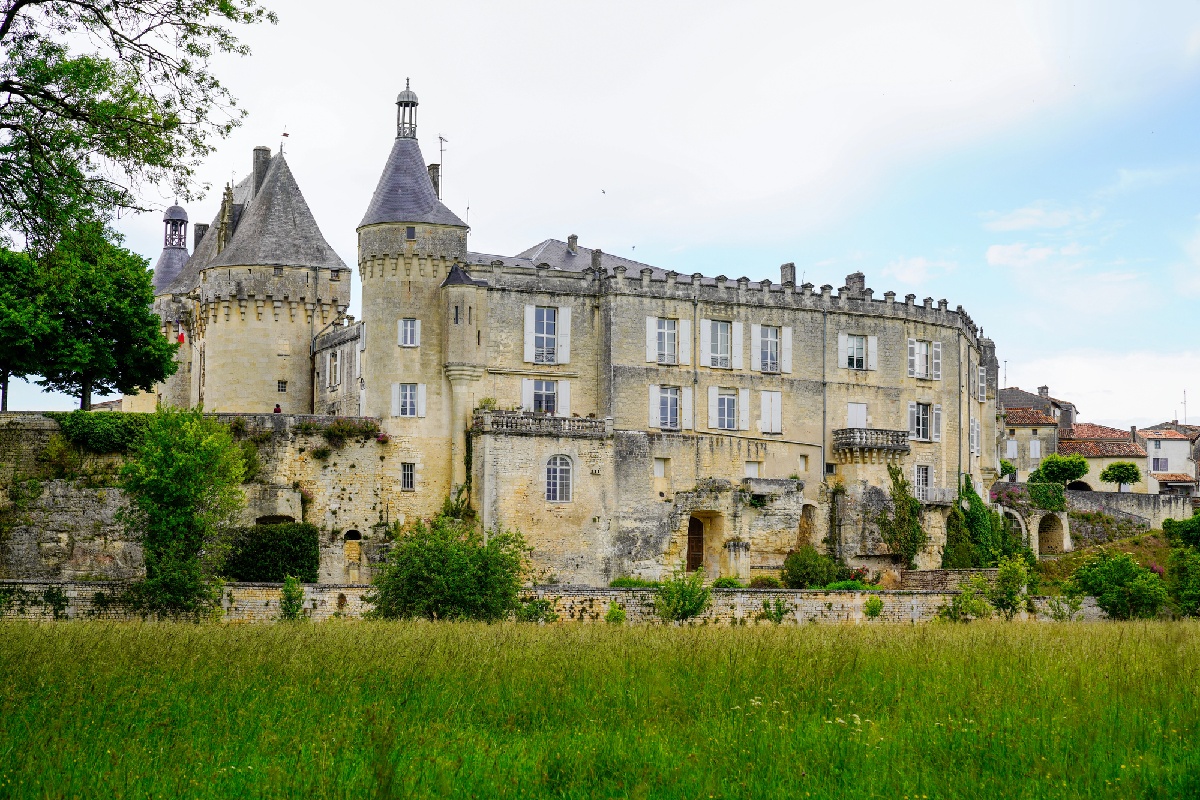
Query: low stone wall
1152	508
259	602
942	580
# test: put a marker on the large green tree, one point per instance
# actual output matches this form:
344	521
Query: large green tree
106	338
1060	469
101	97
25	326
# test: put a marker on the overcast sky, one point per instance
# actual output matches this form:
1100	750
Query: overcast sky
1037	163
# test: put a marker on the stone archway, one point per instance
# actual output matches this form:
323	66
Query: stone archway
1018	524
1052	536
1079	486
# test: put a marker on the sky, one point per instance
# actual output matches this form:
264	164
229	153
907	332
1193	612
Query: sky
1037	163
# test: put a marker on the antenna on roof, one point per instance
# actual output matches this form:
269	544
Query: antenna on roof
1185	406
442	156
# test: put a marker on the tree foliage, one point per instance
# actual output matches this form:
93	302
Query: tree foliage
25	323
1007	467
1123	588
807	569
682	597
273	552
1010	594
98	99
183	485
1060	469
448	569
1122	473
901	529
106	338
1183	580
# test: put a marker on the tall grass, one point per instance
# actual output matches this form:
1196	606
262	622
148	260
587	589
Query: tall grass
360	710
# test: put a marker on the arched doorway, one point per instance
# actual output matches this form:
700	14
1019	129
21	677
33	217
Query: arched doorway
1079	486
695	545
1050	535
352	555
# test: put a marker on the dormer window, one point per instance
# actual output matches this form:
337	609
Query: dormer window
335	274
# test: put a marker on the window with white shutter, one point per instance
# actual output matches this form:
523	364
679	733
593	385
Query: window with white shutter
527	394
744	409
936	349
771	420
530	347
1010	448
1035	448
856	415
562	350
564	398
687	422
653	405
920	427
668	407
726	409
872	352
721	342
736	346
856	352
785	349
768	356
666	341
912	420
651	340
982	384
937	423
685	341
405	400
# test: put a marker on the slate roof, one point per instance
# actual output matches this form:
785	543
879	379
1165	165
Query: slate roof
459	277
1016	397
1099	448
278	229
1162	434
405	191
1089	430
170	263
556	254
1172	477
1027	416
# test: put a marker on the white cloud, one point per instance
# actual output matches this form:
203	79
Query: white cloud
1019	255
918	270
1035	216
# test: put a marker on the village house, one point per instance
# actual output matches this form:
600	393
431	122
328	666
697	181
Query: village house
1102	446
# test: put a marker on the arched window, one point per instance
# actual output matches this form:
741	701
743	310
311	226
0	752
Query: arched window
558	479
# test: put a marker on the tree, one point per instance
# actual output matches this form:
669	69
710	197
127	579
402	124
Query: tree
1122	473
1011	593
1007	468
25	325
98	99
807	569
184	490
901	530
1060	469
1123	588
106	336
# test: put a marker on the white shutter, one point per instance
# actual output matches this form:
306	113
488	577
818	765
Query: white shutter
785	350
982	384
395	399
362	402
1035	448
564	398
654	418
685	341
912	419
713	391
743	409
736	344
420	399
1011	452
652	340
937	423
978	436
912	358
755	346
705	354
417	335
562	353
937	360
400	332
971	435
776	412
764	412
686	422
329	368
529	314
527	394
872	352
842	346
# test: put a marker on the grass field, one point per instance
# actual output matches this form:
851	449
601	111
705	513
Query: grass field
988	710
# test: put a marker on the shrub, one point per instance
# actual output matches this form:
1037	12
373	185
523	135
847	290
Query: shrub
535	609
1064	607
270	553
1046	496
969	603
628	582
1183	531
61	458
251	464
775	611
338	431
901	529
873	607
1183	580
765	582
807	569
102	431
958	552
615	615
449	570
321	453
291	600
1010	593
1122	588
682	596
1061	470
1007	467
728	583
850	586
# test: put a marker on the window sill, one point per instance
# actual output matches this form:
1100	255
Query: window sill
408	490
409	346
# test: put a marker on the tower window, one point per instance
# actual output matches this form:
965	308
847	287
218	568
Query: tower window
456	315
279	270
281	386
558	479
410	233
335	274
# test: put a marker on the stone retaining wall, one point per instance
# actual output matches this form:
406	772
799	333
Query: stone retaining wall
942	580
259	602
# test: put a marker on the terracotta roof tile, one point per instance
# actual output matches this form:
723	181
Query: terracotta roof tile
1092	448
1166	434
1027	416
1089	430
1172	477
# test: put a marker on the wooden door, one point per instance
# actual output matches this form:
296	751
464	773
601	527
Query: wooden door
695	549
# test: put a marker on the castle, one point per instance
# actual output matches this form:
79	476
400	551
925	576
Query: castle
628	419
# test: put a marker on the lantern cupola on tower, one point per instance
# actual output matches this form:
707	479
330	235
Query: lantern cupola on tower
174	253
406	113
175	221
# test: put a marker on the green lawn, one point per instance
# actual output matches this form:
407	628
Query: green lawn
361	710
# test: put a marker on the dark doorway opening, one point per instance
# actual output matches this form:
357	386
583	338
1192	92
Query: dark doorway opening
695	549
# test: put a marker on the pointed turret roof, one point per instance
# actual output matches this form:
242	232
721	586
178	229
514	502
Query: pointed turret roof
405	192
277	229
168	268
459	277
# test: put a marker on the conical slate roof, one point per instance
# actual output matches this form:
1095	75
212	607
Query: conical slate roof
168	267
277	229
405	192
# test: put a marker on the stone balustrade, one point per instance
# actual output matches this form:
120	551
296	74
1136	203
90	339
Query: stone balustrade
526	423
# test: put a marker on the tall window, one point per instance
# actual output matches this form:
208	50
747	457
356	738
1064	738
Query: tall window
558	479
856	352
727	409
1159	465
1011	449
668	344
768	349
668	407
408	333
333	378
921	482
922	426
408	399
922	359
721	335
1158	444
545	396
408	477
1035	448
545	334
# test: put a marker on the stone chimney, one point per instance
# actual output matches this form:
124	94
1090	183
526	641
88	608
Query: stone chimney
262	160
198	231
596	256
435	175
1043	391
856	282
787	273
1133	433
573	244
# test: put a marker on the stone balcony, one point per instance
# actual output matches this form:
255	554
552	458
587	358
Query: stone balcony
525	423
870	445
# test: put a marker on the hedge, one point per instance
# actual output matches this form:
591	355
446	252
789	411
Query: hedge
270	553
102	431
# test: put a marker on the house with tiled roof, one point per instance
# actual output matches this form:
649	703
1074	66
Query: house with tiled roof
1063	412
1100	453
1169	460
1029	434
